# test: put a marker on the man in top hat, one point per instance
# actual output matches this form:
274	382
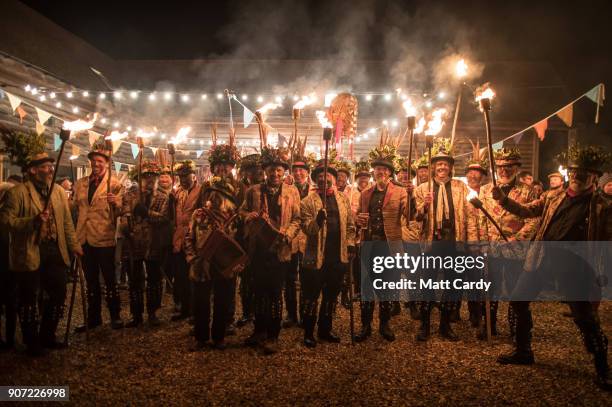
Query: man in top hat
330	243
446	226
300	170
98	209
217	212
41	242
271	214
577	214
505	261
252	174
186	199
381	208
144	215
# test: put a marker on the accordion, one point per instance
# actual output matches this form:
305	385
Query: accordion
224	253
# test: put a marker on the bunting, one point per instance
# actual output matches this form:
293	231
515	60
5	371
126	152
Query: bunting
117	166
57	142
597	95
135	150
247	116
154	150
199	153
15	101
498	145
40	128
93	136
43	116
567	115
540	129
116	144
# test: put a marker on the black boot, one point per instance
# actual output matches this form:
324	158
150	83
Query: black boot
522	354
475	313
396	309
415	314
386	332
308	323
365	333
603	380
446	331
134	322
425	328
52	314
455	314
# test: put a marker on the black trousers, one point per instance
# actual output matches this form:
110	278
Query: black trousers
328	281
183	287
247	297
8	303
268	276
291	276
48	283
221	290
101	260
144	274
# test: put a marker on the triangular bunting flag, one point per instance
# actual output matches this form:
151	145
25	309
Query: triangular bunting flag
593	94
1	94
282	141
93	136
22	114
518	137
15	101
540	128
117	166
498	145
57	142
76	150
199	153
247	117
42	115
40	129
116	144
567	115
154	150
135	150
597	95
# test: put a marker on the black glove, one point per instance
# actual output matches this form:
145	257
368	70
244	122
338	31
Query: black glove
141	211
321	217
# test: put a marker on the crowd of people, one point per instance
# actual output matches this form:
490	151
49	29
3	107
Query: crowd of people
235	248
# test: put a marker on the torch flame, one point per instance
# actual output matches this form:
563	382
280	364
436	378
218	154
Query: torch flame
181	135
563	171
305	101
434	126
420	126
322	117
484	92
115	135
268	106
409	108
145	134
80	125
461	68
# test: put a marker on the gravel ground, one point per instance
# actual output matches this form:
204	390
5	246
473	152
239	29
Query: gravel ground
153	366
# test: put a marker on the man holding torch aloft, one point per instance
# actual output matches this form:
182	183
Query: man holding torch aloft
505	261
96	233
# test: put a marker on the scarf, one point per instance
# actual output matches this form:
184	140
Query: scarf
442	211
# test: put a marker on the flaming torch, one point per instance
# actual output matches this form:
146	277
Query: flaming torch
67	129
411	124
296	112
484	94
261	125
461	69
109	141
327	135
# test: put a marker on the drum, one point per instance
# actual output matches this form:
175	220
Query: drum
224	253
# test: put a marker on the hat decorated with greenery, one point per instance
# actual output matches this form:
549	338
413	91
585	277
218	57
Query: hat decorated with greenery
250	161
223	154
151	167
507	156
442	150
166	170
362	168
185	167
320	167
403	164
344	166
306	161
591	158
421	162
477	161
275	156
24	149
386	153
99	147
